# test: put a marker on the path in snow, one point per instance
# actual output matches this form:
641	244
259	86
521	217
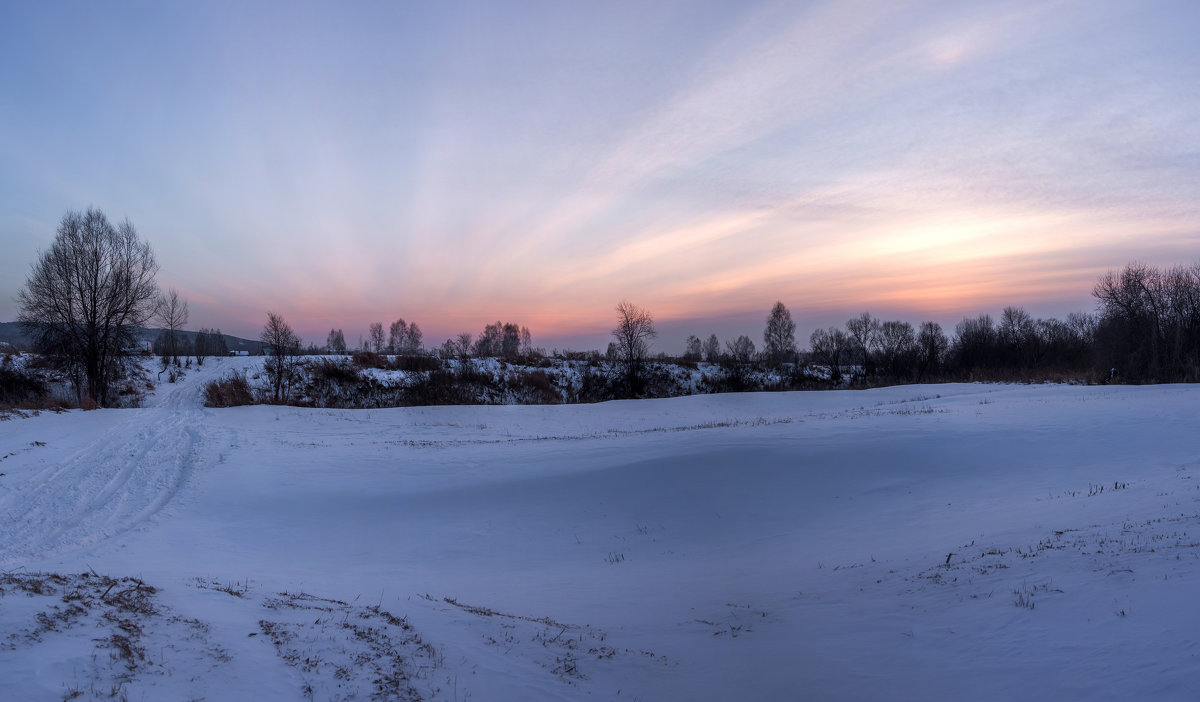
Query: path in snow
114	483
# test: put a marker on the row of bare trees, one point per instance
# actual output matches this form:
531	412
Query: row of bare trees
402	339
202	345
498	340
87	295
1148	323
1146	329
869	349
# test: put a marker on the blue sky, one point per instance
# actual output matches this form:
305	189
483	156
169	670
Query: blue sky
456	163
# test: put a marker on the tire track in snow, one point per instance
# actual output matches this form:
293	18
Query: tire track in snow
114	484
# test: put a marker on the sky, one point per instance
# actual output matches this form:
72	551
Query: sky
456	163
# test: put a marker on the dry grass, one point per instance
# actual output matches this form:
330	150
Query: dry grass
232	390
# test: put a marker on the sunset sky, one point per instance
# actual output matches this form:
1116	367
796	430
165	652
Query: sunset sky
455	163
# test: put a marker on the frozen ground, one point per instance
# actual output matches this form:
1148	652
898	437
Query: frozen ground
930	542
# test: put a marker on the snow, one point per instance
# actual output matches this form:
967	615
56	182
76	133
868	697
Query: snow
921	542
565	380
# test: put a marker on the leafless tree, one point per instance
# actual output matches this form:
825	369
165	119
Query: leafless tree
85	295
172	313
712	349
208	343
1018	337
779	338
463	345
219	347
201	345
864	337
1149	321
634	330
502	339
412	341
741	351
375	337
830	347
739	354
490	342
510	341
397	336
931	348
336	341
976	343
693	349
897	346
282	347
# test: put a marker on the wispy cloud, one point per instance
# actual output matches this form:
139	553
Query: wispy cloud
455	165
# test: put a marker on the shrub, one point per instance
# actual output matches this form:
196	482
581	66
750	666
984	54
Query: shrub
231	391
329	370
369	359
416	364
20	388
595	384
465	386
535	388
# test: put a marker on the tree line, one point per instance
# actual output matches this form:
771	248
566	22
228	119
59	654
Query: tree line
499	340
95	285
1146	329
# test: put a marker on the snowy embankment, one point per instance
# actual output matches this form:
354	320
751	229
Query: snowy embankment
944	542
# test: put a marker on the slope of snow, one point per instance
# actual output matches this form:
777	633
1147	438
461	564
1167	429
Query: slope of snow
982	541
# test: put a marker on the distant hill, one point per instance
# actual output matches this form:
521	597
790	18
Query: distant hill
12	333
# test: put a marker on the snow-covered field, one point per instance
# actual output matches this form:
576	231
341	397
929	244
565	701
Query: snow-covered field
927	542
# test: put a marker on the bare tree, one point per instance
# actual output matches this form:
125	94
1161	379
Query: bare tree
693	349
463	345
712	349
219	347
634	330
931	348
864	338
282	346
208	343
502	339
202	345
1149	322
897	345
172	313
336	341
412	341
736	362
397	336
1018	337
376	337
830	347
510	340
975	343
85	295
779	338
742	350
490	342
